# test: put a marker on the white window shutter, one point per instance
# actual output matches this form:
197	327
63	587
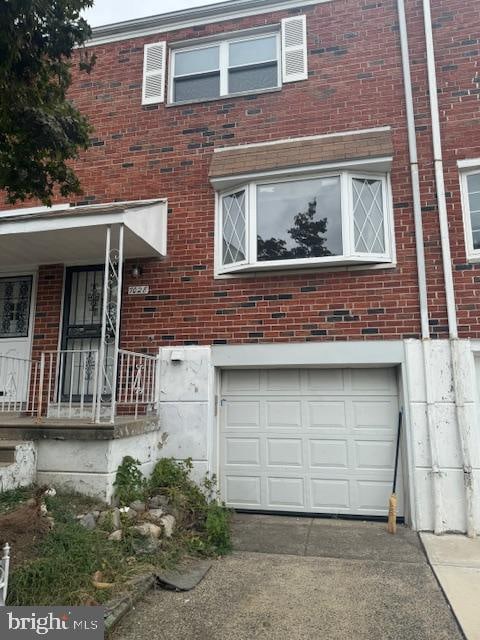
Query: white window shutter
294	49
154	59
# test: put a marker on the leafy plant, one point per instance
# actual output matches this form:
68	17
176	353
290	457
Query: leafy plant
169	473
129	482
217	528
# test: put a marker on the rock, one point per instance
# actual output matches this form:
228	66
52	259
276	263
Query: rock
168	524
116	536
128	513
155	514
96	514
158	501
88	521
116	521
138	506
148	529
145	546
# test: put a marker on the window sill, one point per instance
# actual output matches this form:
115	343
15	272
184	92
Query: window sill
256	272
231	96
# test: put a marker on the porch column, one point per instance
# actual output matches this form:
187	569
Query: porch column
110	334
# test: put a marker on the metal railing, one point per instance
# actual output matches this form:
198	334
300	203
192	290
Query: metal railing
19	378
74	385
136	381
4	569
68	384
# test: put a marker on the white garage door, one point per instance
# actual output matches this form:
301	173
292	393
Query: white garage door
312	440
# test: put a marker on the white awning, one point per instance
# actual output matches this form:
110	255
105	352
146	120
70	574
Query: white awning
74	234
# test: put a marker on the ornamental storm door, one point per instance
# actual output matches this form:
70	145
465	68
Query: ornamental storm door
15	337
81	335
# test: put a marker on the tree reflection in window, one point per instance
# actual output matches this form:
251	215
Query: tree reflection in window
311	235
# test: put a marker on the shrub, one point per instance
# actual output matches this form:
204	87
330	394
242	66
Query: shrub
129	483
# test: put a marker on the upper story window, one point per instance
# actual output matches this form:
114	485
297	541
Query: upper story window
231	66
471	209
342	217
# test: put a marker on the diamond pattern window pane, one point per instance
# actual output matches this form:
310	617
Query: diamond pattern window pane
234	228
368	215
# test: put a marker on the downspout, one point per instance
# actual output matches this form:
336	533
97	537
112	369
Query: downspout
462	421
422	279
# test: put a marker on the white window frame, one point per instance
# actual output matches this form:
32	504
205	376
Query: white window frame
473	255
349	257
224	67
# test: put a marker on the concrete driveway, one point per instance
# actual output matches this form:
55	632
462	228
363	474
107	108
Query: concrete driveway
302	579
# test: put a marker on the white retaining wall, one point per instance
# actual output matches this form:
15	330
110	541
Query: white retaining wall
22	471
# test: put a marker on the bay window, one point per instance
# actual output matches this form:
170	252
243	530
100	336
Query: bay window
343	217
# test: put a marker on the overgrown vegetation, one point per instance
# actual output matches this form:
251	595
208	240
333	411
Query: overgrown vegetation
55	565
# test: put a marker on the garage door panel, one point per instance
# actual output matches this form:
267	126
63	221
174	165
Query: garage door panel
243	451
374	414
244	491
373	496
324	380
376	380
284	452
326	414
243	414
372	454
328	454
239	381
320	441
285	492
329	495
282	380
283	414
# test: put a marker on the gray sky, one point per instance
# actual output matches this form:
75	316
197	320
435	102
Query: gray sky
108	11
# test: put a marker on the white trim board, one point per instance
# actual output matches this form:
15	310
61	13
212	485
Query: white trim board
308	354
175	20
321	136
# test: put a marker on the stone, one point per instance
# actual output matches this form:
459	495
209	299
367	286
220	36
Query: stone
138	506
128	513
116	520
116	536
155	514
168	524
148	529
88	521
145	546
158	501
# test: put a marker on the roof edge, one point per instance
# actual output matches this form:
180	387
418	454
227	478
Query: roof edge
184	18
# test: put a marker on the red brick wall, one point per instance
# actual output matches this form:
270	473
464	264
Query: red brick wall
48	308
355	82
457	41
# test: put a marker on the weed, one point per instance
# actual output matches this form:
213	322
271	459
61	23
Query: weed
129	483
13	497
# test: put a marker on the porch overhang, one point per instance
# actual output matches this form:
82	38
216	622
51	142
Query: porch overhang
77	234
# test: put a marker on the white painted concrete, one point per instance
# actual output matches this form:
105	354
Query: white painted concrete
186	405
21	472
90	467
450	459
456	562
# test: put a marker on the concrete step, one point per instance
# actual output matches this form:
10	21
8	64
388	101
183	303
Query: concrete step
7	451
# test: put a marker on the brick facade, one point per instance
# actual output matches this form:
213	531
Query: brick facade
355	82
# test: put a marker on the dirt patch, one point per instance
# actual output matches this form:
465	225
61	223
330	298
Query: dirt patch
22	528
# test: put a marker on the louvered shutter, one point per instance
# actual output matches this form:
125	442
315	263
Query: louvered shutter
154	58
294	49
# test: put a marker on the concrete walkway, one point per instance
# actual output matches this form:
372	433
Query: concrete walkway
304	579
456	562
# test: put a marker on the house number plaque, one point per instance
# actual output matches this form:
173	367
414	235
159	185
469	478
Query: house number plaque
138	290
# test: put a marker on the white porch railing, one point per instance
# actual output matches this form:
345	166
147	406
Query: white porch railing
69	385
136	381
18	384
4	569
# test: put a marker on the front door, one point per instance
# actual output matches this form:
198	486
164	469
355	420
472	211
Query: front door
82	330
16	292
